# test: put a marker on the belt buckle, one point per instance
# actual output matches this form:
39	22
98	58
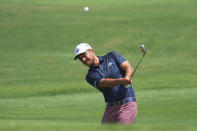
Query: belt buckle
125	101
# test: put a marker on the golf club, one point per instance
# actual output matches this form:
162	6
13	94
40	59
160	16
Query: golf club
142	47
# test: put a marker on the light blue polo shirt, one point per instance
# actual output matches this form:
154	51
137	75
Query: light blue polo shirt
109	67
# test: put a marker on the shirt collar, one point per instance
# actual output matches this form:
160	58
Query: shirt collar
100	59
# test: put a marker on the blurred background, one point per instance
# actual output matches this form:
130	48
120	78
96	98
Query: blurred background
43	88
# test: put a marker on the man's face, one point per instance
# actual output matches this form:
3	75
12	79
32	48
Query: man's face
87	58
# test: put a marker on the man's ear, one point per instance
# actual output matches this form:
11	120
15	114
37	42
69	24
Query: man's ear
91	50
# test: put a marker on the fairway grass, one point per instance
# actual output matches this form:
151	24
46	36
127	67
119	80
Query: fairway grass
165	109
42	88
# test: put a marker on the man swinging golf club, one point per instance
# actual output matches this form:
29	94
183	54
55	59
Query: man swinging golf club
110	74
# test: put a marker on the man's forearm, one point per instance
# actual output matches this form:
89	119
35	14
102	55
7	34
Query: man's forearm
129	72
128	69
114	82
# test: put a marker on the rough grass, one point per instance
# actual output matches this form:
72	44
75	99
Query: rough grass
42	88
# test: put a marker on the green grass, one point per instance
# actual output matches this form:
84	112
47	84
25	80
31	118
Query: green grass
42	88
157	109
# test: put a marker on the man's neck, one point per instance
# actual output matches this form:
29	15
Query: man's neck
96	61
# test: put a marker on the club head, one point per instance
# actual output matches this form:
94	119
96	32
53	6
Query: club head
142	47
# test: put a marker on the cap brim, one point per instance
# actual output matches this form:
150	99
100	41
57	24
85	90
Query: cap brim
79	54
75	57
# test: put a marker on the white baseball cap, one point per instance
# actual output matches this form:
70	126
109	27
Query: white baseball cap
81	48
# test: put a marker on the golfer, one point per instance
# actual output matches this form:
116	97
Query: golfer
110	74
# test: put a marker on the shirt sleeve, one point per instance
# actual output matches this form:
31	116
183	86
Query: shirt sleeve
93	79
118	58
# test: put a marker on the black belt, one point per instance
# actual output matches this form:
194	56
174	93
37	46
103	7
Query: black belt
124	101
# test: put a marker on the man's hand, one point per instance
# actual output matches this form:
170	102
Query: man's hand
126	81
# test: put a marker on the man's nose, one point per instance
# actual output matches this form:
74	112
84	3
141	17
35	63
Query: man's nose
83	59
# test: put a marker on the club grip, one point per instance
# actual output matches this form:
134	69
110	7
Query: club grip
127	86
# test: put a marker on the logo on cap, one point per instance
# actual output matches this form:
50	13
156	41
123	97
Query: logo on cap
77	50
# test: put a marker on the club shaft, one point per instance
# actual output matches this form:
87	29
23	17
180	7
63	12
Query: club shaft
137	65
136	68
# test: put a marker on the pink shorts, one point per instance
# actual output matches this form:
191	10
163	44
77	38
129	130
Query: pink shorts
123	114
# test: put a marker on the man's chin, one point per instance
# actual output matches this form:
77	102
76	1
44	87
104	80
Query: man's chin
87	64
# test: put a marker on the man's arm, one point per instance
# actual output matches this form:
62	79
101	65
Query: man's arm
114	82
120	81
128	69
